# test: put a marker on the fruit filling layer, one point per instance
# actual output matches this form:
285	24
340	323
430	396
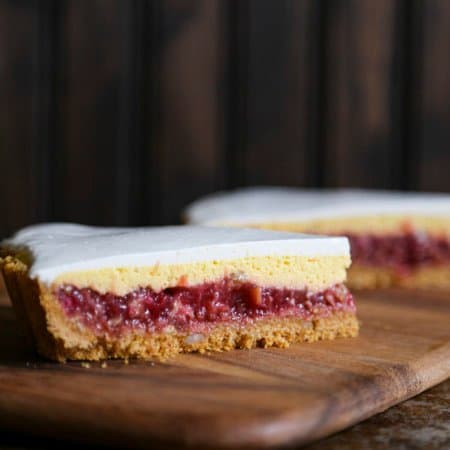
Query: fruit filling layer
198	307
404	252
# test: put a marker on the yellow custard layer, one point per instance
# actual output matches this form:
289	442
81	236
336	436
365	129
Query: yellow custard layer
436	225
294	272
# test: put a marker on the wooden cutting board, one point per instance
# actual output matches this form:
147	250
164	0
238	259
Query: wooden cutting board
258	397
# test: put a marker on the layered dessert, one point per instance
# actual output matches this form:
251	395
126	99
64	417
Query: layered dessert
94	293
397	238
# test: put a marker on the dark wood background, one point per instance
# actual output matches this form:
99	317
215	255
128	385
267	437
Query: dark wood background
121	112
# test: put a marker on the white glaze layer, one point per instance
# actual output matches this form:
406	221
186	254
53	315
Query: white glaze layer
253	205
61	248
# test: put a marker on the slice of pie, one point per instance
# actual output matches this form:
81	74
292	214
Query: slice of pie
396	238
95	293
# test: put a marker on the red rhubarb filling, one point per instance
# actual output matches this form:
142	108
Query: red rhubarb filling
403	252
198	307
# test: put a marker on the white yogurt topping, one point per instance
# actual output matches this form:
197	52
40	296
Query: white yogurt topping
59	248
253	205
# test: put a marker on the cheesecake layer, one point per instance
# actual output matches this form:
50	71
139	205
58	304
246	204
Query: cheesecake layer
294	272
436	225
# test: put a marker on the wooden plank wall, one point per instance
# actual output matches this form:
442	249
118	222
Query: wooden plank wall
116	112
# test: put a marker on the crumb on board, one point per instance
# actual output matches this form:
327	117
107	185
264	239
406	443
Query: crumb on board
85	365
104	365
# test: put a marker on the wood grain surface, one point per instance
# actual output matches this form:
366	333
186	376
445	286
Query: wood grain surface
259	397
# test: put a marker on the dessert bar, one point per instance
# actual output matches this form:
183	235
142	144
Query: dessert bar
94	293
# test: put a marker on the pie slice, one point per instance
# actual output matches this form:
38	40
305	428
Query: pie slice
96	293
396	238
